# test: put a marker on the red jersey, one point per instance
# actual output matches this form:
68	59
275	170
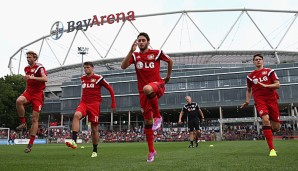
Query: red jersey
147	66
37	70
265	76
91	89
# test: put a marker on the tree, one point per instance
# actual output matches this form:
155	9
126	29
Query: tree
11	86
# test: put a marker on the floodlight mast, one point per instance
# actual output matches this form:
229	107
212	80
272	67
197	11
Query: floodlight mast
83	51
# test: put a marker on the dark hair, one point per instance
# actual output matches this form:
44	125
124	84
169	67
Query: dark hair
257	55
89	63
32	53
145	35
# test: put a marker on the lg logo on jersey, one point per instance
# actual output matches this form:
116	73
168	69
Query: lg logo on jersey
88	85
141	65
256	80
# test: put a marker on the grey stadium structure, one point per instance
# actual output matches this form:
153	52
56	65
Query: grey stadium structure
215	79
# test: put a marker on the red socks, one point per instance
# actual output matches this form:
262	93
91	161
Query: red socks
22	119
268	135
150	139
32	138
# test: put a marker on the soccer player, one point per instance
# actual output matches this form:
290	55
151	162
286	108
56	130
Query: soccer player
192	110
90	105
35	76
262	84
12	137
150	84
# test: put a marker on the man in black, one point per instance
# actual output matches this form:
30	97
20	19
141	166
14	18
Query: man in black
192	109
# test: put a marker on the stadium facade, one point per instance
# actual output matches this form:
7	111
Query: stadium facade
218	87
212	71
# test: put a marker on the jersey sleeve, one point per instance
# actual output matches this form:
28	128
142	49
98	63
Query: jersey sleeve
104	83
272	75
42	71
248	81
197	106
184	109
132	59
164	56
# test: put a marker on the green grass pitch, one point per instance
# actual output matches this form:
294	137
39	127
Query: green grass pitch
225	155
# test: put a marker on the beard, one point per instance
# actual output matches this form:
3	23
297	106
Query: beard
144	47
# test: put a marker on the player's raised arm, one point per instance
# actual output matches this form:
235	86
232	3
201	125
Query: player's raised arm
125	61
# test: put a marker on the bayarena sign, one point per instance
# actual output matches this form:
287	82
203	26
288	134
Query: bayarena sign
57	28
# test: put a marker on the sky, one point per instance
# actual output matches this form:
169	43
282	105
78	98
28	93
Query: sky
22	22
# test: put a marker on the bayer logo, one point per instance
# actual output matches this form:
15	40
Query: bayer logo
140	65
57	30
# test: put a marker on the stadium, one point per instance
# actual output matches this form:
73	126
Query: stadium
214	78
211	62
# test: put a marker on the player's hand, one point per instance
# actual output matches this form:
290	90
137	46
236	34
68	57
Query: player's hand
244	105
166	80
114	110
134	46
263	85
28	77
179	122
202	119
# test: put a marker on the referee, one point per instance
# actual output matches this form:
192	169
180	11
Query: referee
192	110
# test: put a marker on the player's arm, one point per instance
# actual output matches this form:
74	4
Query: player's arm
247	99
275	85
170	67
180	117
110	89
125	62
202	115
42	78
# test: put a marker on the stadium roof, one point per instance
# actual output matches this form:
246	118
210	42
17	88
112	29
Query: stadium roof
211	36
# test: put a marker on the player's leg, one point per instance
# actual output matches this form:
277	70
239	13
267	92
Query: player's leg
95	138
275	126
274	120
191	138
150	137
93	115
37	103
75	128
153	91
198	135
20	103
197	132
274	115
76	124
152	99
191	128
267	130
262	108
148	121
33	130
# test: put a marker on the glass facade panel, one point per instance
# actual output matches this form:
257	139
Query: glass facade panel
208	87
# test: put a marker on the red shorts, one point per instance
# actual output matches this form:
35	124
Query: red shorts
90	109
269	107
37	100
146	109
